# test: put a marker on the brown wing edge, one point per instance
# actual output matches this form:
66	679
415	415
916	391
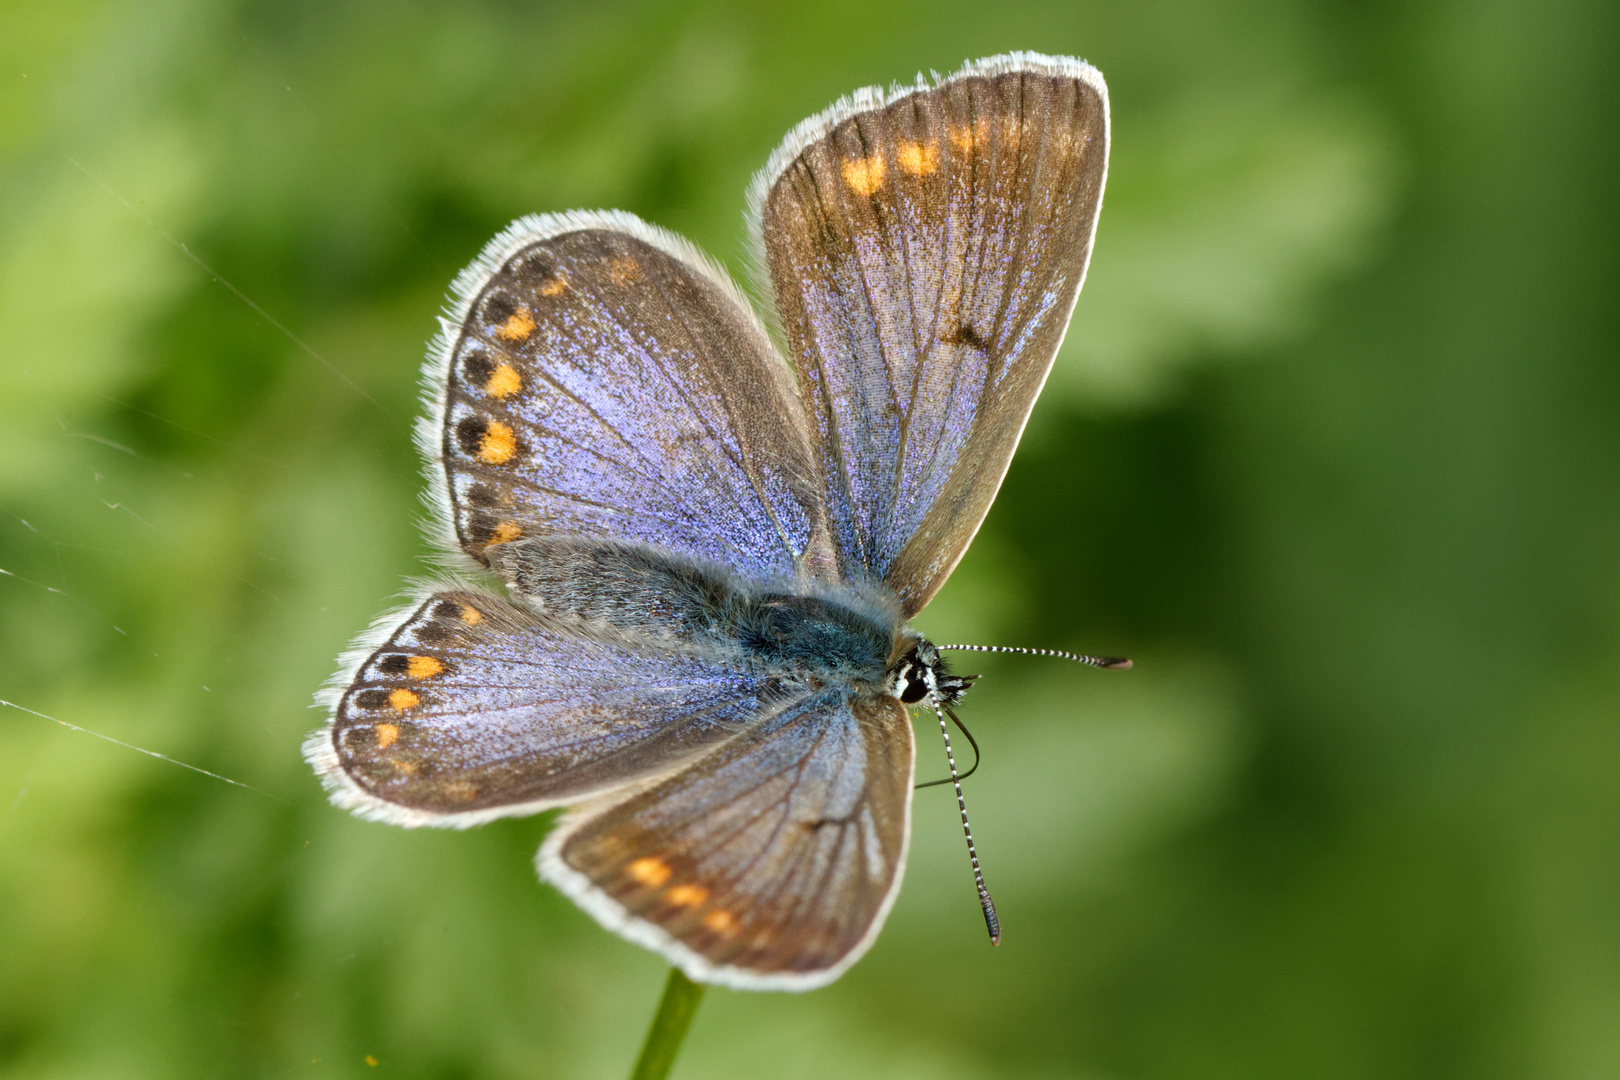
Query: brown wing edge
614	917
870	99
464	291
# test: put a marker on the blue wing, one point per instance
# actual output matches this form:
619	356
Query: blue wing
600	378
925	249
467	708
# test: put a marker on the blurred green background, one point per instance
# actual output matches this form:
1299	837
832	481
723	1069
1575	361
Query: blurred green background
1333	450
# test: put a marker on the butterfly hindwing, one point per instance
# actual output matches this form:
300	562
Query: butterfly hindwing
469	707
924	249
599	377
771	862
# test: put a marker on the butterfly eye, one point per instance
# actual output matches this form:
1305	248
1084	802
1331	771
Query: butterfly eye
911	681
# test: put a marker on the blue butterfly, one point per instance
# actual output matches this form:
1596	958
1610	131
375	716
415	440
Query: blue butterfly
710	551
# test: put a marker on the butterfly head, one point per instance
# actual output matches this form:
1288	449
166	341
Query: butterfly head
921	675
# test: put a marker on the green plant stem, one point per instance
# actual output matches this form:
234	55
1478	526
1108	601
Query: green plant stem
674	1016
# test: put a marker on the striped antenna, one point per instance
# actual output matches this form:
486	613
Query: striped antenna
991	922
1108	663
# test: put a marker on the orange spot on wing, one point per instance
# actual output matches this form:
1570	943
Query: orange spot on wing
865	175
964	136
505	533
403	699
424	667
720	922
687	895
518	326
918	159
498	444
405	767
554	287
623	270
471	615
461	791
649	871
387	735
503	382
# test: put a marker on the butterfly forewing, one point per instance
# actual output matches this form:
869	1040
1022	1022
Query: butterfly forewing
473	708
925	250
769	863
603	380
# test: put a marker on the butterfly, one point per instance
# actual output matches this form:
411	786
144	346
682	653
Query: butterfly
706	553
